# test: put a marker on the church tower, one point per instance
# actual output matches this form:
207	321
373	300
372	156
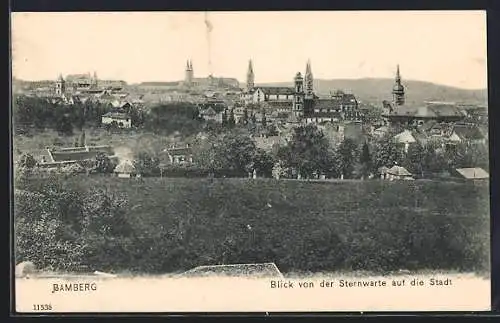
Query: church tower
94	80
188	80
308	80
250	77
60	85
398	91
298	97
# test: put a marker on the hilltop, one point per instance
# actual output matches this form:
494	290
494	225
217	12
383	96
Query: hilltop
374	90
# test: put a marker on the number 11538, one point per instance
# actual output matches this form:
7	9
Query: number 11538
42	307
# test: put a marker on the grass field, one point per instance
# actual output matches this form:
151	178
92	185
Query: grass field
375	226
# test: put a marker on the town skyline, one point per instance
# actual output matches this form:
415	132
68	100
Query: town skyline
447	48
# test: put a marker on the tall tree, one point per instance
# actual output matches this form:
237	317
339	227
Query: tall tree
414	160
235	152
386	152
307	152
224	118
244	120
64	126
347	157
82	139
264	119
231	121
365	160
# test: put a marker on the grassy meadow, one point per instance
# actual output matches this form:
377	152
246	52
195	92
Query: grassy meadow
374	226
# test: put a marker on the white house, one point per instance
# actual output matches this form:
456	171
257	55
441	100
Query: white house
123	120
405	138
125	169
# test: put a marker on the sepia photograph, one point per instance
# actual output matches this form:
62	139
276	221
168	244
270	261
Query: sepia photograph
270	161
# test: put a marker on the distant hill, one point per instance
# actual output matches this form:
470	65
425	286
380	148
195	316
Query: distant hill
375	90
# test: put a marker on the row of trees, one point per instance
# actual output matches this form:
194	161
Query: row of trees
310	154
40	114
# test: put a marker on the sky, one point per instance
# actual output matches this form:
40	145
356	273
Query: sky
445	47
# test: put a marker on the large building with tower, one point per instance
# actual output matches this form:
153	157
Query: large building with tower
300	102
190	81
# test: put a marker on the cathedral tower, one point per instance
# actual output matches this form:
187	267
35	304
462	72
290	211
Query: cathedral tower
308	80
398	91
298	97
188	80
60	85
250	77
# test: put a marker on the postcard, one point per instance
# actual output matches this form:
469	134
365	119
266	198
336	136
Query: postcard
234	161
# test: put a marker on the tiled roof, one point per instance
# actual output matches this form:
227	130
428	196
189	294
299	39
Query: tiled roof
116	115
216	106
324	115
180	151
125	167
405	137
473	173
273	90
432	111
398	171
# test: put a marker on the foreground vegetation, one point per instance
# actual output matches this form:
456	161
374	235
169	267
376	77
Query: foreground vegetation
154	225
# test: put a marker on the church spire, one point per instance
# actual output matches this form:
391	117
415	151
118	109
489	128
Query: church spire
308	80
250	76
398	91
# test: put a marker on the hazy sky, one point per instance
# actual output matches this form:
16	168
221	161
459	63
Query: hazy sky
447	47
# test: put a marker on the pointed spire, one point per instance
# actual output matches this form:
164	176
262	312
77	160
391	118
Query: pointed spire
308	80
398	90
190	65
187	65
250	76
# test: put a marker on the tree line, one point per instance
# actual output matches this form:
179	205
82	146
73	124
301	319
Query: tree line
309	154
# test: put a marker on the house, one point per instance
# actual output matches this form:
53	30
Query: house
75	154
469	134
340	106
180	155
383	172
121	105
212	111
123	120
262	94
472	173
420	115
397	172
126	169
324	110
405	139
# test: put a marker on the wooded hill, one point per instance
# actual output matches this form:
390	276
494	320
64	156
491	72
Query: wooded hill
375	90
